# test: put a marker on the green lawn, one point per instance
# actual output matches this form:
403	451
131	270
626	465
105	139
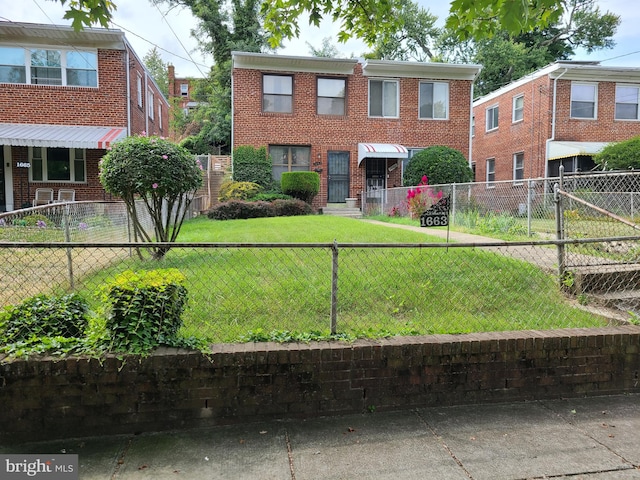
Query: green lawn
235	292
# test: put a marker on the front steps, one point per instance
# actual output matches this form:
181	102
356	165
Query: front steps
341	210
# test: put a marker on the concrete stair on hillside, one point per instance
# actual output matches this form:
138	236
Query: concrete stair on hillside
341	210
614	287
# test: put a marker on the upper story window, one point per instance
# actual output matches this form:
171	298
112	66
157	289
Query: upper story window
518	108
627	100
150	104
12	66
473	126
48	67
160	115
277	93
184	89
57	164
518	167
384	98
492	118
434	100
331	96
583	100
139	90
491	172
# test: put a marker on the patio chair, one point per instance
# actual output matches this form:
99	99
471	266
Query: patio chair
66	195
43	196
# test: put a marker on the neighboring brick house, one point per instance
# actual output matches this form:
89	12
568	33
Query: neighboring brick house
65	96
561	114
181	90
353	121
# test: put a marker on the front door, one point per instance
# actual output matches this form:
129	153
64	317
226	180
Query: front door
337	177
376	174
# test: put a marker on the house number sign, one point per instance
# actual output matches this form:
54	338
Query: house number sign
437	215
23	165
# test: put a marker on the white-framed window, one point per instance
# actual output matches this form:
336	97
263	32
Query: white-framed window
384	98
160	115
42	66
184	89
289	158
492	118
150	104
518	108
518	167
627	101
57	165
473	126
584	100
277	93
491	172
434	100
332	93
139	89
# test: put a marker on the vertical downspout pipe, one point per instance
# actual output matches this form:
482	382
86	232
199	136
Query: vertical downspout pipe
553	123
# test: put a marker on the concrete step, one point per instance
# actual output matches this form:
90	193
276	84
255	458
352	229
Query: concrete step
342	211
603	279
627	301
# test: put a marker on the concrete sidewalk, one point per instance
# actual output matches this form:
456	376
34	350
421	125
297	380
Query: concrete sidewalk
584	438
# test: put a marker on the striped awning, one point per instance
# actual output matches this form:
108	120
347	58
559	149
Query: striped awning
381	150
60	136
561	149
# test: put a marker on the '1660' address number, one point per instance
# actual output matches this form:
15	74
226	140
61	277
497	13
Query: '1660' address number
23	165
434	220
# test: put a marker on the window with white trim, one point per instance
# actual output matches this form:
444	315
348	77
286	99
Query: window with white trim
518	167
139	89
57	164
384	98
492	118
150	104
160	115
473	126
41	66
289	158
331	96
627	101
584	100
277	93
184	89
518	108
434	100
491	172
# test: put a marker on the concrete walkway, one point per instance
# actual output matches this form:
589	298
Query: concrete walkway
595	438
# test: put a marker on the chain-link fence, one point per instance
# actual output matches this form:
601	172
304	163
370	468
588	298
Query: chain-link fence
524	207
355	289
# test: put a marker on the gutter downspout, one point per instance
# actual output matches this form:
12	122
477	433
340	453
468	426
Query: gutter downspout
471	118
233	115
553	124
128	90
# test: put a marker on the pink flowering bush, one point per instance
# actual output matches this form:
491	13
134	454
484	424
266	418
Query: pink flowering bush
421	197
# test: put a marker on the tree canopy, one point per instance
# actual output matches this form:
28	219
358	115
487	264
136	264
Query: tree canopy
441	165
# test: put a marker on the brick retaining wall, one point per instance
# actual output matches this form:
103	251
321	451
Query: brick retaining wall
54	398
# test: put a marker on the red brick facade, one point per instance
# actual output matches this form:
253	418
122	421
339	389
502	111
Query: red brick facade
342	133
112	103
543	91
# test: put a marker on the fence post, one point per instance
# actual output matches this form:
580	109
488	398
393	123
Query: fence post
529	205
559	227
67	238
453	203
334	287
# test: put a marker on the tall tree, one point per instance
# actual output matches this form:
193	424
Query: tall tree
158	69
327	49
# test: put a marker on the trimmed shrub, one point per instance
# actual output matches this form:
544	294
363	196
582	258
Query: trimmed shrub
442	165
238	191
620	155
302	185
44	316
144	309
252	165
290	208
234	209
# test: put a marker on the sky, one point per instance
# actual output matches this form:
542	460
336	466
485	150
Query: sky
147	25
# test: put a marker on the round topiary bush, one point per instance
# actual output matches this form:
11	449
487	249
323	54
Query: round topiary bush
442	165
301	185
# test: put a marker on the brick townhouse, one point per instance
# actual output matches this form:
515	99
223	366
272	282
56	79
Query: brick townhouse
352	120
561	114
65	96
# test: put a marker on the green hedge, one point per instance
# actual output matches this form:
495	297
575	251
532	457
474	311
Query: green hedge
302	185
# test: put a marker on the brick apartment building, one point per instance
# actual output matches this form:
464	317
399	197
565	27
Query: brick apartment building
65	96
561	114
354	121
180	89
